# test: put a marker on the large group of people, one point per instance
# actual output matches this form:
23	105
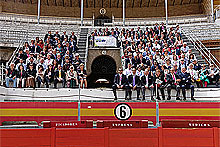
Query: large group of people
157	58
154	58
44	62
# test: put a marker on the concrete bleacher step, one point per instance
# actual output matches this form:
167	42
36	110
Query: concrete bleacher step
101	94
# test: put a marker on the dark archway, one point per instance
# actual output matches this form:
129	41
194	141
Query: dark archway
103	67
102	19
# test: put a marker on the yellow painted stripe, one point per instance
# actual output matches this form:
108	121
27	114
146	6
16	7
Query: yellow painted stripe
108	112
190	112
38	112
144	112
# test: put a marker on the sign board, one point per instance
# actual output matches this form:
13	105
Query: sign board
190	123
105	41
68	124
122	124
123	111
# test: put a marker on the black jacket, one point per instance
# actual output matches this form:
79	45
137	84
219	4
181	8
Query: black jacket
144	80
63	75
170	80
21	74
185	78
160	78
11	73
123	80
31	73
133	62
137	80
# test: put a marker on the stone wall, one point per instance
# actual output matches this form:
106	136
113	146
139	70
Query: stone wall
93	53
137	12
5	53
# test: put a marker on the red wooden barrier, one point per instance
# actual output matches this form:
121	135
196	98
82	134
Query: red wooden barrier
25	137
104	137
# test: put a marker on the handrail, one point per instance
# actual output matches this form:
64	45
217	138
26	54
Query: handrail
87	48
209	57
121	55
2	75
217	8
17	49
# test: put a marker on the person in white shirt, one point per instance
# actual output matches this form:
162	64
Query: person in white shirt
194	74
48	61
139	71
213	74
128	71
42	64
184	48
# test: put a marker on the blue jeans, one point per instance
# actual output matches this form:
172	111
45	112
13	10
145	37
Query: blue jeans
10	80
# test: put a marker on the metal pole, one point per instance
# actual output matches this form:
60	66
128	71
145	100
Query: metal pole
212	10
38	13
79	105
123	12
81	12
157	109
2	77
93	19
166	7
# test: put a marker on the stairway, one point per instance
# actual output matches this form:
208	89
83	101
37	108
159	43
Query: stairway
82	44
198	56
194	51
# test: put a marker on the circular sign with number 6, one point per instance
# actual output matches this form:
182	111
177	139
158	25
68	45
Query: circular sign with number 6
123	111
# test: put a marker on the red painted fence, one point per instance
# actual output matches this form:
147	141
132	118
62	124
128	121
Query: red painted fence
68	111
104	137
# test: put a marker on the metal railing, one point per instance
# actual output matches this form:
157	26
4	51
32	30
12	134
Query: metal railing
206	54
87	49
2	73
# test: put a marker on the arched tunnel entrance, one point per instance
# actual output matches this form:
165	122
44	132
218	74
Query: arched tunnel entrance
103	71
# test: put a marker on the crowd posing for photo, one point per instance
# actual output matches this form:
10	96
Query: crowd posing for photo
157	58
41	63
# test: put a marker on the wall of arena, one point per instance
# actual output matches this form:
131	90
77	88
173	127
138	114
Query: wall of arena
137	12
104	137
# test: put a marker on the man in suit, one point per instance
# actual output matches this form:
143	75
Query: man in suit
141	60
134	83
185	83
120	82
131	60
47	35
147	83
64	36
172	81
56	35
60	76
159	81
73	36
